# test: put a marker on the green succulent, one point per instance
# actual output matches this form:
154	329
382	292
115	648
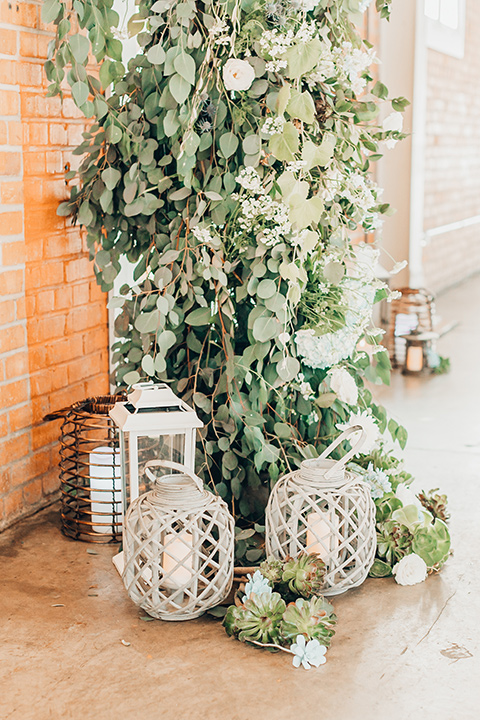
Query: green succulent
393	541
272	569
432	543
304	574
435	503
230	621
312	618
257	619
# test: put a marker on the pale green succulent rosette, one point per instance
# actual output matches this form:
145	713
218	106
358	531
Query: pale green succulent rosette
312	618
304	575
432	544
257	620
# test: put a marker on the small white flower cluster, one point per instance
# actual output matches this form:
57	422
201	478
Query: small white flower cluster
203	235
352	62
220	32
324	69
305	32
296	166
270	210
378	481
275	65
304	386
345	63
275	43
361	194
250	180
271	126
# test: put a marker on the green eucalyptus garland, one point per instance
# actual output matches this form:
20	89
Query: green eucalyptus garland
230	164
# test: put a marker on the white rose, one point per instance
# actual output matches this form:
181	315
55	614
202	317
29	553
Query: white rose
343	385
238	74
410	570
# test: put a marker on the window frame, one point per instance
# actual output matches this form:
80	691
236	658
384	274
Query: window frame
444	39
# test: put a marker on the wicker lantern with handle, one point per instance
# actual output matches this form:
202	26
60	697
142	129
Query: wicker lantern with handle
324	509
178	546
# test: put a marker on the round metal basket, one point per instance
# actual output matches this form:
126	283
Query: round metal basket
91	503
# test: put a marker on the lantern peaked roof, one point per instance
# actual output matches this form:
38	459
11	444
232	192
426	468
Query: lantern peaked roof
154	408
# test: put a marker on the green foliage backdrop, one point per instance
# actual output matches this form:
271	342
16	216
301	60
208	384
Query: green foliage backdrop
234	189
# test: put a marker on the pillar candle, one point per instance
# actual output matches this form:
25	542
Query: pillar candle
106	486
177	547
320	525
414	358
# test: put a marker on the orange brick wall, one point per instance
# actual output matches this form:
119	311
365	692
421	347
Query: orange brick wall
452	170
53	318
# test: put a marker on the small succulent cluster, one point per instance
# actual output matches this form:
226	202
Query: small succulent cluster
409	524
282	609
435	503
302	576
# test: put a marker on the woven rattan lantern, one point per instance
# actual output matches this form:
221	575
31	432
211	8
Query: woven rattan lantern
154	424
326	510
178	546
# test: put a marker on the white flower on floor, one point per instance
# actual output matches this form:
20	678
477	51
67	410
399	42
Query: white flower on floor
238	74
257	585
343	385
370	427
410	570
308	653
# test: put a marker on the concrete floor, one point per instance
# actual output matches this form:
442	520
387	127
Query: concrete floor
399	653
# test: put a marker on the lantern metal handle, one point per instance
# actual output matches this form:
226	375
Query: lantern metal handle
172	466
343	461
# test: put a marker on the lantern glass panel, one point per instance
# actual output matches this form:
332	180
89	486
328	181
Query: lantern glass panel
151	447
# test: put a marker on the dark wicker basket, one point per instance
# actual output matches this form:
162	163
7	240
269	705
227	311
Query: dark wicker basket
90	471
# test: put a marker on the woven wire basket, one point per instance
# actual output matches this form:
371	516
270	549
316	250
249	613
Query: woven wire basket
90	483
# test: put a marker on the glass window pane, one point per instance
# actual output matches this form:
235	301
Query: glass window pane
449	13
432	9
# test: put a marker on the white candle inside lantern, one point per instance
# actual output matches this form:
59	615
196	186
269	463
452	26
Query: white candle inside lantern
414	358
105	475
320	526
177	547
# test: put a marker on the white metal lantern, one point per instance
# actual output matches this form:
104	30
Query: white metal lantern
154	424
324	509
178	545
